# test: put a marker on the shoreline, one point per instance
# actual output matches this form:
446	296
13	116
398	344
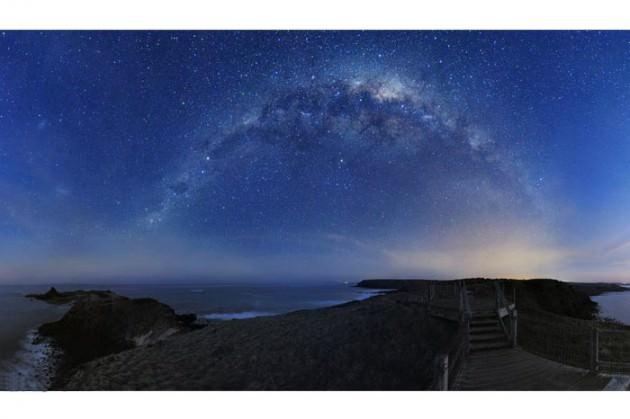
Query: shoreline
26	362
613	307
32	367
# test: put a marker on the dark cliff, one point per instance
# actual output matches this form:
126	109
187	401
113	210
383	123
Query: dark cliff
100	323
545	294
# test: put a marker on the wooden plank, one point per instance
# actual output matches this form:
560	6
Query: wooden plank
516	369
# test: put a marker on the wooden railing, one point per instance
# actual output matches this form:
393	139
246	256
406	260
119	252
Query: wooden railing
448	364
600	346
590	344
611	349
507	313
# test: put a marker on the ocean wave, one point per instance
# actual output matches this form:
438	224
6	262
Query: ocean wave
30	368
238	315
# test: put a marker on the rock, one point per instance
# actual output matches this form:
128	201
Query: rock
53	296
52	293
104	323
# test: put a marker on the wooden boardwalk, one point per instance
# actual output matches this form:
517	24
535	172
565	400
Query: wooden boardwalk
492	359
516	369
493	364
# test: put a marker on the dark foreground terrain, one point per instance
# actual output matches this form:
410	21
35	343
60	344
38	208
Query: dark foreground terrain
387	342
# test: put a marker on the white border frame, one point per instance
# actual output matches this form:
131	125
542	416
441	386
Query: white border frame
320	14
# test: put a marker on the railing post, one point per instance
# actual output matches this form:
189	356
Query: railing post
496	296
594	347
466	302
467	340
514	294
443	372
514	318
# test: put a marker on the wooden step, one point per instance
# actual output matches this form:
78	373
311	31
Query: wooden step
483	323
487	337
483	319
483	315
486	329
516	369
487	346
476	313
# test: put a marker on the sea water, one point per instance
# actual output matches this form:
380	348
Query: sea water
24	365
615	305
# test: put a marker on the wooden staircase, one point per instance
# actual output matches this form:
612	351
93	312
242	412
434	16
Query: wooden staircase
487	329
494	362
486	332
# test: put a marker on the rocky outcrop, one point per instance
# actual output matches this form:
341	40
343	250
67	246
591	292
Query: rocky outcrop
52	296
101	323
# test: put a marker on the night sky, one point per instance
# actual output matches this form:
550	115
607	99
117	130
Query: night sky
194	156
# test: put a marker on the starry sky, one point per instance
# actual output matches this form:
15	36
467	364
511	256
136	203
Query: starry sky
244	155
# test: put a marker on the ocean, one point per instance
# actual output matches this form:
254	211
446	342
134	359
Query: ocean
615	305
25	365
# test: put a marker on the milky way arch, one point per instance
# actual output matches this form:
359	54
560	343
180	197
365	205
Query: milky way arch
352	156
